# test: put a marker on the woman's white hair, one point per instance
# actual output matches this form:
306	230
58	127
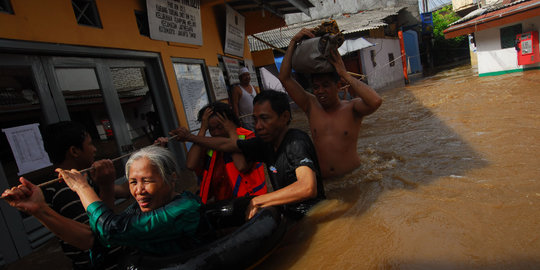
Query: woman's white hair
160	157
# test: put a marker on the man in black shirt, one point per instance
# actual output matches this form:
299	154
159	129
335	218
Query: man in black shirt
289	155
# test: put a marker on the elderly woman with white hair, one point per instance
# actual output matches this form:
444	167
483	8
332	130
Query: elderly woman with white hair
166	228
161	222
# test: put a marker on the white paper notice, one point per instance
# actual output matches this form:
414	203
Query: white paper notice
192	90
175	20
252	73
27	147
234	33
218	83
233	67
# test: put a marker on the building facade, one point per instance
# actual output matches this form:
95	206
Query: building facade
494	29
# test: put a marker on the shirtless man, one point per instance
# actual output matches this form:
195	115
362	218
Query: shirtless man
334	123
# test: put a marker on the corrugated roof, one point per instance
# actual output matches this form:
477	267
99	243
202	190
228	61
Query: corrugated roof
493	14
484	10
361	21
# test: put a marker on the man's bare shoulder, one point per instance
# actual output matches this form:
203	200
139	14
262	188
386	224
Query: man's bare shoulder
236	90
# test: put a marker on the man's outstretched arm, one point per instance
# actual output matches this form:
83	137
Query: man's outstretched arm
369	100
295	90
304	188
217	143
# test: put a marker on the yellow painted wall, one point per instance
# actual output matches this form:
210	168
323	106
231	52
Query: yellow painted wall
258	23
53	21
263	58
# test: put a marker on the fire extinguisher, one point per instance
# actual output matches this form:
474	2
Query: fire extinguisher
107	127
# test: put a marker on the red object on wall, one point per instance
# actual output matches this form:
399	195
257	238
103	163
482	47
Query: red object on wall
527	48
403	57
107	127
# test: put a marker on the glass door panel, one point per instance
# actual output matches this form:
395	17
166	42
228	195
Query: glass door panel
84	99
142	120
20	105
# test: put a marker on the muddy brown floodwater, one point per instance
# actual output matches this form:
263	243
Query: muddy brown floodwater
450	180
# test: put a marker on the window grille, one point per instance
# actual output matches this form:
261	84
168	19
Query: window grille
508	35
86	12
391	59
5	6
372	55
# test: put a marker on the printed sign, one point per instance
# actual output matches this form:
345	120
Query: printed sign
175	20
427	22
27	147
233	67
252	73
234	33
218	83
192	90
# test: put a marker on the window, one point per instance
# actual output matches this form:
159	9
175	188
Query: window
20	105
142	22
372	55
508	35
86	12
5	6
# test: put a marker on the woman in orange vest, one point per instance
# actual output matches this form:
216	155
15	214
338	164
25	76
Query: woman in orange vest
224	175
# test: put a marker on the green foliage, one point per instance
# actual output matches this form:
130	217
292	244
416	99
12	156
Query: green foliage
447	50
441	19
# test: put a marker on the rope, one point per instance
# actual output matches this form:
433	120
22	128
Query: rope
377	69
91	168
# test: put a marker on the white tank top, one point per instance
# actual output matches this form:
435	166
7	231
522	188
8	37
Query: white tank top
245	107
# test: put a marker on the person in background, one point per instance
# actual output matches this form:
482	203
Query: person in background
224	175
334	123
289	156
57	207
242	99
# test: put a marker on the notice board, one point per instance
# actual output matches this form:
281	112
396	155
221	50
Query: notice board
175	20
192	90
218	83
234	33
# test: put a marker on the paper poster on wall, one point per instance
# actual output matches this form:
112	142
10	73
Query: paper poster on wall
27	148
175	20
234	33
233	67
218	83
192	90
253	74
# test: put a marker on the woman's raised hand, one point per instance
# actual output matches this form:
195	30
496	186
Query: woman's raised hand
73	178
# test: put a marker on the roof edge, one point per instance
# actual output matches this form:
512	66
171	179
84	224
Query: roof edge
491	19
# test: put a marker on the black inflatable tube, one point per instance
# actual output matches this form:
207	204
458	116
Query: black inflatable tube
243	248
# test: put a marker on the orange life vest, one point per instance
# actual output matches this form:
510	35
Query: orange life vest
251	183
